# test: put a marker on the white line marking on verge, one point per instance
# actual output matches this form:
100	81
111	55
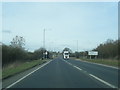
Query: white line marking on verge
103	81
28	75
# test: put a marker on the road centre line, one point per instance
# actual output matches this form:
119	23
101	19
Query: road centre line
73	65
77	67
108	84
102	81
69	63
28	75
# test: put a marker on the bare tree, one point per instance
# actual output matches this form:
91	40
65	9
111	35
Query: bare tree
18	41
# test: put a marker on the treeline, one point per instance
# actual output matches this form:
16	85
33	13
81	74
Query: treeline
107	50
11	54
16	52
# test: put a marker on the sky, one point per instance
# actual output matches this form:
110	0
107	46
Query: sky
66	24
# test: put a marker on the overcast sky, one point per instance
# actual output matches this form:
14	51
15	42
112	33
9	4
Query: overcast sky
89	23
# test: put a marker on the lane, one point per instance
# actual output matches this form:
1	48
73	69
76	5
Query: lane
23	75
105	73
59	74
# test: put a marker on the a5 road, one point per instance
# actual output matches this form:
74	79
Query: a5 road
60	73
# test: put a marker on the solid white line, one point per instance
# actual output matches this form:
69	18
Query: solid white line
28	75
103	81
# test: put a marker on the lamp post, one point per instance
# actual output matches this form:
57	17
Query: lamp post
77	45
44	38
44	42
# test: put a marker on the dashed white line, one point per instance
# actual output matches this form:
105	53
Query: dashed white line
73	65
103	81
77	67
27	75
93	76
70	63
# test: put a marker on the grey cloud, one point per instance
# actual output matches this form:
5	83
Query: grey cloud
6	31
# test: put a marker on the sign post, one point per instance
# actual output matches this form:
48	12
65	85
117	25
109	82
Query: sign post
93	53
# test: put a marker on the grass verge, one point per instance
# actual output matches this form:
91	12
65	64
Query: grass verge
10	71
0	74
114	63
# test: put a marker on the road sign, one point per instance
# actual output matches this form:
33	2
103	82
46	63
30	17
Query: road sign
93	53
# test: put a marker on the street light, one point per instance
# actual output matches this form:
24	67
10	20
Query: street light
77	45
44	42
44	37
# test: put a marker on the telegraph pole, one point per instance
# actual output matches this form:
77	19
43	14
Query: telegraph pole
44	38
77	45
43	43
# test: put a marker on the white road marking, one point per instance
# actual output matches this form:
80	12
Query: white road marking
77	67
70	63
67	62
103	81
73	65
28	74
93	76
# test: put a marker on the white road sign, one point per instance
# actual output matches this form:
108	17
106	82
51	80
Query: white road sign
92	53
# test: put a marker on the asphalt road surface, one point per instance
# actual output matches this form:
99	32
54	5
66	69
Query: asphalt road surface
60	73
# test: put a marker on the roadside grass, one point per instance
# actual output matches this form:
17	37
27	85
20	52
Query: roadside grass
115	63
0	74
12	69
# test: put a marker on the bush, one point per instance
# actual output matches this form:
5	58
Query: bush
11	54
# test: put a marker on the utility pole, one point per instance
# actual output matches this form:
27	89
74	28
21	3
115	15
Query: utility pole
77	45
43	44
44	38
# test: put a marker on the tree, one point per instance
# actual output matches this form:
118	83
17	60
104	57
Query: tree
109	49
18	41
39	53
67	49
14	52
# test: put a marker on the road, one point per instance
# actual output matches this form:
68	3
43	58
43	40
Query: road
60	73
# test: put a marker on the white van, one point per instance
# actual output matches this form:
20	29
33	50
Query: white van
66	55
